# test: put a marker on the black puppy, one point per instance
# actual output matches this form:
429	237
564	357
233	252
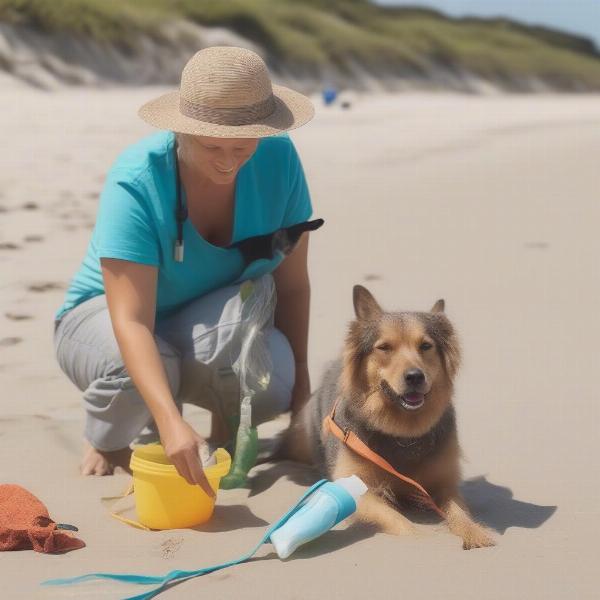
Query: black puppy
280	241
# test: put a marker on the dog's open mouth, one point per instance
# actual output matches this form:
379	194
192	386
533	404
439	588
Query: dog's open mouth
409	401
412	401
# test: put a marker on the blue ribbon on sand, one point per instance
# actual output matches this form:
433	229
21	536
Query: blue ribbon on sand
179	575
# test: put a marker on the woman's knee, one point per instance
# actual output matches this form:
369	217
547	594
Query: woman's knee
277	397
87	350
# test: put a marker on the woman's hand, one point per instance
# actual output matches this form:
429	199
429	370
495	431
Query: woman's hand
301	391
181	444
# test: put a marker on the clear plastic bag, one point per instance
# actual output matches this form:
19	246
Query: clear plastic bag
253	368
254	365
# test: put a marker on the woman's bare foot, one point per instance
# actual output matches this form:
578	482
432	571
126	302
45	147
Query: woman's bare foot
96	462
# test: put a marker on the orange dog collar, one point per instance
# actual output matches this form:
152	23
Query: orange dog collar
352	441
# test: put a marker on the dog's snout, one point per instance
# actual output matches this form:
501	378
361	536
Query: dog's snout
414	377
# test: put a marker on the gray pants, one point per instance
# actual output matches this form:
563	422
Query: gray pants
198	346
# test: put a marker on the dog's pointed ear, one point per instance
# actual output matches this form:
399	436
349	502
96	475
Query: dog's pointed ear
439	306
365	306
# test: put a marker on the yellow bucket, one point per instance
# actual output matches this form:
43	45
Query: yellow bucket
163	498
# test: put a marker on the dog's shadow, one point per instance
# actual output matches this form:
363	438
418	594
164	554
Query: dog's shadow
491	504
495	506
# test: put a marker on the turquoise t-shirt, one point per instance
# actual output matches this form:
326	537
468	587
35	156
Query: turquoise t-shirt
136	221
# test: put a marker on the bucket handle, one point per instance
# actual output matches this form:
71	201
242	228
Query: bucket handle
115	513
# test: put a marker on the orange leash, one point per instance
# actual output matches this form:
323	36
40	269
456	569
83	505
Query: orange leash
350	439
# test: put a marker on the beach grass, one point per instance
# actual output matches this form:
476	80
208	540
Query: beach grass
308	34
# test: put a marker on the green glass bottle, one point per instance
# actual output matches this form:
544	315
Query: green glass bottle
246	449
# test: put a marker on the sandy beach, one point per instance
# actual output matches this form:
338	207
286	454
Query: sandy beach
491	202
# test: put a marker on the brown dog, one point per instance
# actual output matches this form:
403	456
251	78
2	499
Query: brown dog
394	387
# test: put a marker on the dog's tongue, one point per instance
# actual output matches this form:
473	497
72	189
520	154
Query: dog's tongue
413	398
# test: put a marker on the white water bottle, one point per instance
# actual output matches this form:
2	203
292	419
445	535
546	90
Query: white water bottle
330	504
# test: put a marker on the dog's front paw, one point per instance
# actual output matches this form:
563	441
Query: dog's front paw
477	537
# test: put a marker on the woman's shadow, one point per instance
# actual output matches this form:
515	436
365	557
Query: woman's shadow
230	518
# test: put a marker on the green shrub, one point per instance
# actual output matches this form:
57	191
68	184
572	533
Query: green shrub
306	34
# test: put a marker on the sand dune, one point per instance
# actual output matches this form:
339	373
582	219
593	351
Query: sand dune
489	202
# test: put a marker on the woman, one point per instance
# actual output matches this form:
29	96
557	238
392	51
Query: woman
153	316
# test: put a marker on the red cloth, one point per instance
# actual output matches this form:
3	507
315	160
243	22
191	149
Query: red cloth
26	524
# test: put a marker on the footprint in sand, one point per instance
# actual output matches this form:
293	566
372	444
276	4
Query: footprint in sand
8	246
17	316
10	341
537	245
66	202
45	287
33	238
170	546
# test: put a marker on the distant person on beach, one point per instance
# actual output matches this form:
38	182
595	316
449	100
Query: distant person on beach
153	315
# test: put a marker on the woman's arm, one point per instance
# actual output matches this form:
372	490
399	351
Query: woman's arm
131	297
292	314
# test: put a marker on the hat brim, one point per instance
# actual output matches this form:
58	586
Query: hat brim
292	110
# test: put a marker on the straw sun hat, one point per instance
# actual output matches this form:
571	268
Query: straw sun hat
227	92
